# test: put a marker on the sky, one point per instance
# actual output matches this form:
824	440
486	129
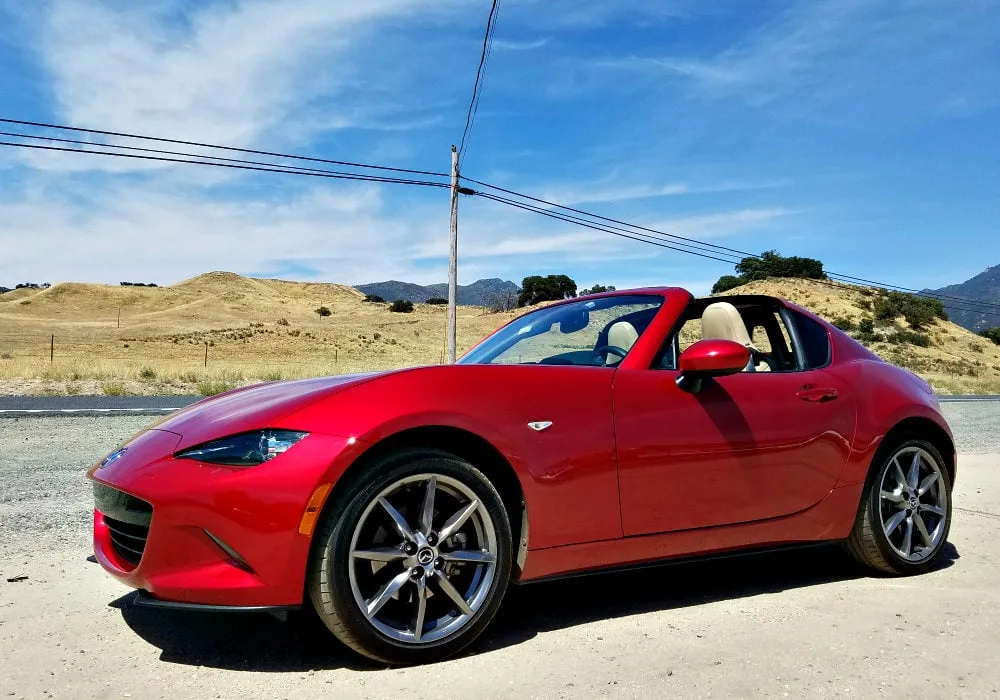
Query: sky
860	132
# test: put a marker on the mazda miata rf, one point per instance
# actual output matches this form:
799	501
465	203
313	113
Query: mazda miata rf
598	432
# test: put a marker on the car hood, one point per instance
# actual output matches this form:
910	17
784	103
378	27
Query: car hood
252	407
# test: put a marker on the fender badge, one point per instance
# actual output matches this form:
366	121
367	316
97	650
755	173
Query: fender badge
540	425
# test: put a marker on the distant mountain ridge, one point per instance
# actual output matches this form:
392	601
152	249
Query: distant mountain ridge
479	293
983	287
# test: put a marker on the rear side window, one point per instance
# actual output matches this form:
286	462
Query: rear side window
815	341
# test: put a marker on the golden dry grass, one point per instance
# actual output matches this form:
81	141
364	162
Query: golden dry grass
267	330
255	330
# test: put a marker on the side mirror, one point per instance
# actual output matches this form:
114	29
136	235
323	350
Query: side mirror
710	358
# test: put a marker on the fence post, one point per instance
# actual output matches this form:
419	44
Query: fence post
206	354
335	356
52	349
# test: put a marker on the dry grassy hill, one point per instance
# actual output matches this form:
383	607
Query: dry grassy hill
254	329
955	361
258	329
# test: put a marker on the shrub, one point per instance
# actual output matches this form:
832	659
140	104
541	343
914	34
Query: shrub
6	356
112	388
374	299
843	323
904	336
323	312
147	373
918	311
377	336
211	387
436	301
727	282
501	301
991	334
282	322
401	306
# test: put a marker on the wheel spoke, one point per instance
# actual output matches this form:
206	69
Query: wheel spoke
473	556
427	510
449	590
418	620
913	478
891	496
398	519
892	523
922	529
387	592
926	484
452	525
899	474
907	545
379	554
932	509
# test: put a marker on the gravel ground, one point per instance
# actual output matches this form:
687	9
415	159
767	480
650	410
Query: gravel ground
799	623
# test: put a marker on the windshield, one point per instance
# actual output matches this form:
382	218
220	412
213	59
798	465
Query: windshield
594	333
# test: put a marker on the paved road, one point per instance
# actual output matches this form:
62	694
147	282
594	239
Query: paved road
92	405
795	624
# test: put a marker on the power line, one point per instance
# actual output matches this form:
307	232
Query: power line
304	170
727	250
276	169
480	75
652	240
221	148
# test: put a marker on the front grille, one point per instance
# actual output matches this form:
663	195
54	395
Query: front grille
127	519
128	540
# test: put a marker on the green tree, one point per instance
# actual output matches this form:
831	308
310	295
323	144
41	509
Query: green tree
727	282
992	334
401	306
374	299
772	264
436	301
597	289
323	312
536	289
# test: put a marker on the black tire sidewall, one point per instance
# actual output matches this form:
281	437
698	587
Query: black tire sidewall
335	551
874	504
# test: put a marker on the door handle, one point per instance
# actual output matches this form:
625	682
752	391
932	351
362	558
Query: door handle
817	394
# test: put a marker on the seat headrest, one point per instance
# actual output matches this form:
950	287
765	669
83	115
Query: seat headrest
722	320
622	334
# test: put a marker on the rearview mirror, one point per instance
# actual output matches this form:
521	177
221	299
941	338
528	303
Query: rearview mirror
571	321
710	358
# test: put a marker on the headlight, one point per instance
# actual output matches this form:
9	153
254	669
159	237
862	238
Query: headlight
245	449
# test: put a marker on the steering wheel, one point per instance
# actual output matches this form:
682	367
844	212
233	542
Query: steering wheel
603	350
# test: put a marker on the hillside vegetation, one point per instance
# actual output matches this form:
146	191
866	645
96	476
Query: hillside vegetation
256	329
954	360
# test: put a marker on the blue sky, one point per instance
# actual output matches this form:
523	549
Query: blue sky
863	133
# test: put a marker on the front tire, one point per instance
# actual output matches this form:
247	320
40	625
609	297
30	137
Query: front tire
905	512
412	561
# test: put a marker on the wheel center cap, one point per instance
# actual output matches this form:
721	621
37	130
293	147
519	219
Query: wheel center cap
914	502
425	556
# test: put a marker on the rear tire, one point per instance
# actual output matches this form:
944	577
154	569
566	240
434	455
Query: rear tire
905	512
403	577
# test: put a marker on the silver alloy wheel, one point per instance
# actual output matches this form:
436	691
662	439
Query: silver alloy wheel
913	504
423	558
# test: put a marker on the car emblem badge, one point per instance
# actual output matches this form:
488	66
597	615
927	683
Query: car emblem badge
540	425
425	556
113	457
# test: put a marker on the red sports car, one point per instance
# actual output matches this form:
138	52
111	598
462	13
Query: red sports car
603	431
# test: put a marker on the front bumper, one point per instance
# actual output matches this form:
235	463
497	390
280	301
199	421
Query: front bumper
216	536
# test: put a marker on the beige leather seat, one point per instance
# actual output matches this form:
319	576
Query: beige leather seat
722	321
622	334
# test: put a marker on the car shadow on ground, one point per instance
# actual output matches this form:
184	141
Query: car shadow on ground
260	642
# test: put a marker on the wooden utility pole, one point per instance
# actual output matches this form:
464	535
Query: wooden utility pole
453	259
52	349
